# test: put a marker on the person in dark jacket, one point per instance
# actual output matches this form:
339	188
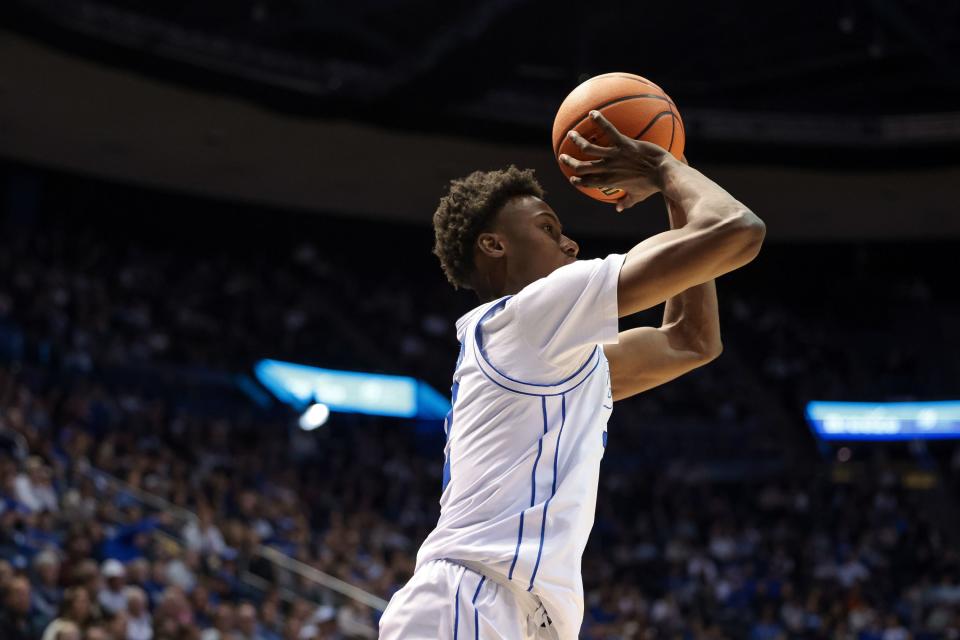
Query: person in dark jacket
15	619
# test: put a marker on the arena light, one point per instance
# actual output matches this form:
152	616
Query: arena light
315	416
351	391
884	420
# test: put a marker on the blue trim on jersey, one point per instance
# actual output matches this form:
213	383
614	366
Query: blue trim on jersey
556	458
456	607
516	553
542	395
533	486
448	422
556	455
477	592
476	612
533	475
478	339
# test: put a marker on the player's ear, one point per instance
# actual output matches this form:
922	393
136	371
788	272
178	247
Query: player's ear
490	244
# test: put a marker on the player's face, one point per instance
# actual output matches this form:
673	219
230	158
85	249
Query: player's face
536	246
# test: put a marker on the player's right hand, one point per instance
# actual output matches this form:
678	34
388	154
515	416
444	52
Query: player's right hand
632	165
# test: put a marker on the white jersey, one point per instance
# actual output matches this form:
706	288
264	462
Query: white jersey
531	400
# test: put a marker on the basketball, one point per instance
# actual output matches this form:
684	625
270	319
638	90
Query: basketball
636	106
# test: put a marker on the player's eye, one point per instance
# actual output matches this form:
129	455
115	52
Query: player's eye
548	228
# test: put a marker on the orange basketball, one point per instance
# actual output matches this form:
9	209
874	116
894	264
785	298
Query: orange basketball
637	107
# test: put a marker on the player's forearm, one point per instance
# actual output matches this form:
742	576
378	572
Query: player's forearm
694	313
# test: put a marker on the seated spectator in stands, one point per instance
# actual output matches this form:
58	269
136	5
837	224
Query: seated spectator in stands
223	624
138	572
156	582
172	617
47	593
271	624
75	608
322	625
130	540
41	531
247	628
62	630
116	625
34	487
97	632
112	597
202	535
139	622
16	622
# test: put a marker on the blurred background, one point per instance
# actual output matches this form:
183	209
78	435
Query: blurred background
211	211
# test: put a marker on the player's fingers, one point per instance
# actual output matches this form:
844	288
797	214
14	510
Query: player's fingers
625	203
599	180
588	147
582	167
613	134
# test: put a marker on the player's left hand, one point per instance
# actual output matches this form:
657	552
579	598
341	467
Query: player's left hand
635	166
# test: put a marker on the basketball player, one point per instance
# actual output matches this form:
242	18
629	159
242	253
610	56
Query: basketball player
541	363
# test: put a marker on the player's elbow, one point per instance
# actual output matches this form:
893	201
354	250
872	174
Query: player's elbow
750	231
710	352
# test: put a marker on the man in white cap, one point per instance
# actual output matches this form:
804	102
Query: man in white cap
322	625
112	597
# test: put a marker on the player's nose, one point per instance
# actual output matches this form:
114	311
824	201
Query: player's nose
569	247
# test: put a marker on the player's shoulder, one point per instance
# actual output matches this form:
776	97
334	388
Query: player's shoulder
569	279
477	314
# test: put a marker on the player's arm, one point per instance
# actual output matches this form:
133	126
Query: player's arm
689	337
717	234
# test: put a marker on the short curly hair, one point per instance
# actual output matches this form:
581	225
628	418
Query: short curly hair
468	209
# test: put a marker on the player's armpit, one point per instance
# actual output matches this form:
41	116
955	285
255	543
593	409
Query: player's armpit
647	357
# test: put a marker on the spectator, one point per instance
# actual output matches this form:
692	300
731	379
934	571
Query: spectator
47	593
96	632
139	622
202	535
271	626
16	622
75	608
112	596
62	630
116	625
247	628
223	623
33	487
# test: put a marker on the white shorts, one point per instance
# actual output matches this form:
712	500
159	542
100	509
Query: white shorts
447	601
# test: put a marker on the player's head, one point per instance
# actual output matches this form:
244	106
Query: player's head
495	234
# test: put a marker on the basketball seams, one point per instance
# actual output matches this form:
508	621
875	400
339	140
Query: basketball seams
652	122
583	118
627	76
673	129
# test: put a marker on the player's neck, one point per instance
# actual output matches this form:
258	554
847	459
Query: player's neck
491	290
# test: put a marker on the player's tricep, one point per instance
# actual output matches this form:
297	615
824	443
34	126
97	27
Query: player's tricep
647	357
668	263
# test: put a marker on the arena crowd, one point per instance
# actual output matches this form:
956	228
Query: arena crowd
136	508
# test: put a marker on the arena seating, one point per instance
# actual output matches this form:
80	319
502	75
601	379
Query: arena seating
135	504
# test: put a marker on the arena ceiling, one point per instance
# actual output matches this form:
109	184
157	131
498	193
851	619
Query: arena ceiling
835	120
787	78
